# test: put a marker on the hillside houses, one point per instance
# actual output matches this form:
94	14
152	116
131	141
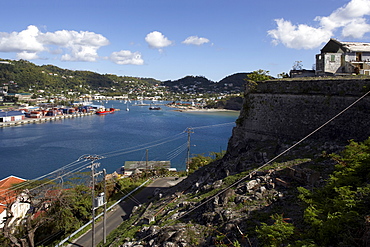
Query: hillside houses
10	200
343	58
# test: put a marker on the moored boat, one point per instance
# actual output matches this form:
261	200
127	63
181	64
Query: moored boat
105	111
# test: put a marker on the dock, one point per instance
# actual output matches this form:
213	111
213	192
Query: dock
43	119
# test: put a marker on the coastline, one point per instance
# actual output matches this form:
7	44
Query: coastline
43	119
196	109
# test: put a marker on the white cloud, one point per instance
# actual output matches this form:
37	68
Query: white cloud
126	57
24	41
82	46
27	55
157	40
356	29
298	37
77	46
349	20
195	40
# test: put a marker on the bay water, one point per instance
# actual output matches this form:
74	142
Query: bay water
32	150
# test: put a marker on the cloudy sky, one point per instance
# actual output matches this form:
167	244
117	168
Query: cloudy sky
169	39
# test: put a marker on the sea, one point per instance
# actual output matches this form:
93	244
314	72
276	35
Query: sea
134	133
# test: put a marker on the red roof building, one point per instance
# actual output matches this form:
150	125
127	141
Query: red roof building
8	196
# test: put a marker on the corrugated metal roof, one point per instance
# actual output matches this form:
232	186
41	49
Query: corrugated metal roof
357	46
133	165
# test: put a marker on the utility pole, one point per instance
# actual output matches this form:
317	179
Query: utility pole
105	208
93	174
189	131
146	164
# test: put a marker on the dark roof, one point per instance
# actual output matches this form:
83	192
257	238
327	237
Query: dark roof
336	46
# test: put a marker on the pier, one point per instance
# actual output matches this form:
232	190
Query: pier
44	119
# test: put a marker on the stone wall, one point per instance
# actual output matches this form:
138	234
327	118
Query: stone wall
292	109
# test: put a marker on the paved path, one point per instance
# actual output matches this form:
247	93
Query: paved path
122	211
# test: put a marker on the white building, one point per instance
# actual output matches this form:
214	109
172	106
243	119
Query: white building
337	58
19	208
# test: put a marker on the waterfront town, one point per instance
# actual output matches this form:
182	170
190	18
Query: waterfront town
267	191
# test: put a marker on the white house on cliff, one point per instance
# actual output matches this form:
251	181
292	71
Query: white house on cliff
343	58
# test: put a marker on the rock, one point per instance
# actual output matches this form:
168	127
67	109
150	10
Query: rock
215	201
127	244
217	184
259	195
169	244
251	185
226	195
135	208
164	236
263	189
229	227
151	242
240	199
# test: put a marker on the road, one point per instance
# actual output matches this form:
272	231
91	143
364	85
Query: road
122	211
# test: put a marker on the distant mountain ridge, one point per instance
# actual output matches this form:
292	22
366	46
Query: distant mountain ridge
230	84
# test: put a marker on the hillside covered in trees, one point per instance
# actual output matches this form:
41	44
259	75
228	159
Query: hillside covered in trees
21	76
25	77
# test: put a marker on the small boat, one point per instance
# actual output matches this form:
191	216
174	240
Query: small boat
154	108
105	111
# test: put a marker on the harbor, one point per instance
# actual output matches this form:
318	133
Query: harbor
31	150
44	119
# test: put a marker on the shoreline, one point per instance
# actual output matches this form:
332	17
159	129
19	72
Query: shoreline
195	109
43	119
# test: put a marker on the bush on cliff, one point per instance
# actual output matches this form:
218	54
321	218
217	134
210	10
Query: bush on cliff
337	213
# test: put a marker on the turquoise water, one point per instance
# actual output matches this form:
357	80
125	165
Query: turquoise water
32	150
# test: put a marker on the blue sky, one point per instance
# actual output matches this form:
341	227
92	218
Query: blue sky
170	39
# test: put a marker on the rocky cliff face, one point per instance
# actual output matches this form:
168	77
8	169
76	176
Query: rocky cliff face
224	202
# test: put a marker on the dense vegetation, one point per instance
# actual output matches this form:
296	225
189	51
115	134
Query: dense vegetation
336	214
25	77
47	80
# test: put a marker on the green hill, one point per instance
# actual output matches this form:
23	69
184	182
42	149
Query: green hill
22	76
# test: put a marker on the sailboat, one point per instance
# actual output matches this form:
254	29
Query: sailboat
127	109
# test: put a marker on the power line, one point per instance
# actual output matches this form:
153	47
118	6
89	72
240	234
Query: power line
176	152
212	126
112	154
143	146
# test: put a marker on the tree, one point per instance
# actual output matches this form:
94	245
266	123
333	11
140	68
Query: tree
283	75
198	161
24	233
336	212
297	65
275	234
53	212
255	77
259	75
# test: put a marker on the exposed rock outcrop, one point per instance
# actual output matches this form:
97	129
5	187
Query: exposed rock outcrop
226	200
